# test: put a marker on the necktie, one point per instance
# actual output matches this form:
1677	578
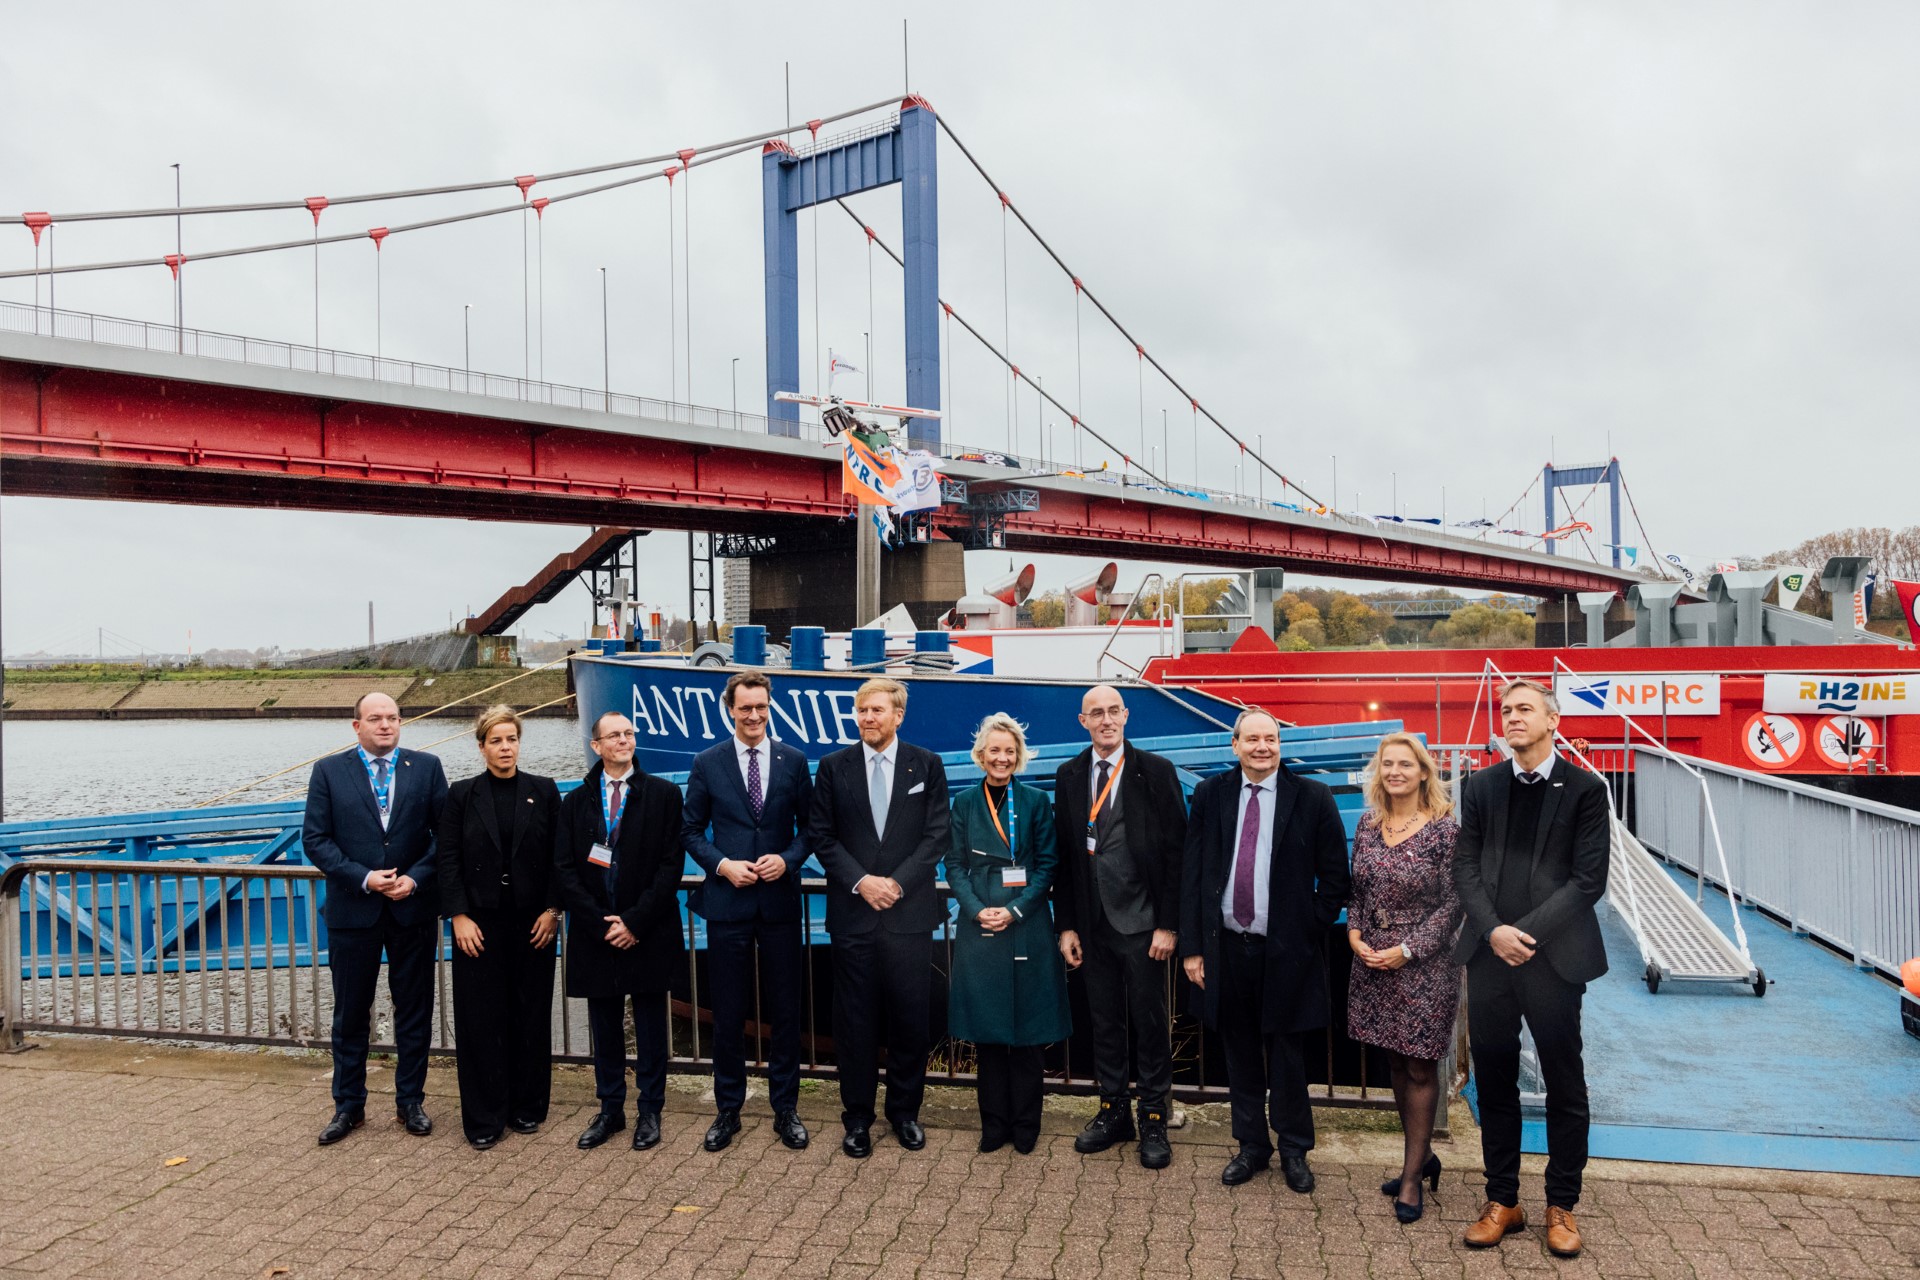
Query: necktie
1529	777
382	795
1243	861
616	809
878	794
1100	789
756	799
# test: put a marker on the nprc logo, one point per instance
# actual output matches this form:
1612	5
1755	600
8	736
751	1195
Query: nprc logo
1593	694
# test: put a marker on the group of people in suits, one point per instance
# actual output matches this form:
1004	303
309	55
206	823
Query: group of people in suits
1111	876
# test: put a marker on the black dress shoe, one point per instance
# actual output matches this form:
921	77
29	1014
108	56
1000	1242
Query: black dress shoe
793	1134
524	1126
484	1141
990	1142
646	1130
1294	1170
1155	1151
1114	1123
414	1116
858	1143
1242	1168
345	1121
600	1128
1025	1145
1431	1171
720	1134
911	1135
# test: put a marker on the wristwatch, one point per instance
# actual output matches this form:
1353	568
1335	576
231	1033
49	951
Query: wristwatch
1406	951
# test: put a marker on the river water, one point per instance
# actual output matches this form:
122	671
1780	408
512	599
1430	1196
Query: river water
82	768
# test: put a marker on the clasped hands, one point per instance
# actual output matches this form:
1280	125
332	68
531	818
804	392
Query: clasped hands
878	892
389	883
740	874
1391	958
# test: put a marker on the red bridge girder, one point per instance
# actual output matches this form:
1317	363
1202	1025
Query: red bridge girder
75	432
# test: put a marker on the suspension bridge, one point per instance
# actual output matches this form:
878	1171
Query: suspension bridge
123	408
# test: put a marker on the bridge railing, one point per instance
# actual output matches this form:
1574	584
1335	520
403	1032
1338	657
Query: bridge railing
147	335
222	953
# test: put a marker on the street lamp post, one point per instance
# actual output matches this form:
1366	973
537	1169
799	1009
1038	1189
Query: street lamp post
179	303
736	393
466	343
606	350
867	337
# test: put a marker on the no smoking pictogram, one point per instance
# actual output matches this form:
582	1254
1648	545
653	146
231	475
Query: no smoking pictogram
1773	741
1847	740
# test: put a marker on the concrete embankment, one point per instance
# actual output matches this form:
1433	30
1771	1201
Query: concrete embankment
275	695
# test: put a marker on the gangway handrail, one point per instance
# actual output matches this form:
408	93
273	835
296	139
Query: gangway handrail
1113	630
1706	801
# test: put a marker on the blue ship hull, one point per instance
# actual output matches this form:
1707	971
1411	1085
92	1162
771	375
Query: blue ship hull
677	712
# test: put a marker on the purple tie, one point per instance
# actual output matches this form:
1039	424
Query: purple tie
755	798
1243	861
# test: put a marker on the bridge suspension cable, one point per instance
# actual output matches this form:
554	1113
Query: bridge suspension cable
1008	206
1017	374
486	184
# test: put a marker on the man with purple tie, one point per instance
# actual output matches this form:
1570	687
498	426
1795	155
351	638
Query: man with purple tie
748	801
1265	876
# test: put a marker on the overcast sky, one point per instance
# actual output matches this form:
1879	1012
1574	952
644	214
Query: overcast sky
1440	242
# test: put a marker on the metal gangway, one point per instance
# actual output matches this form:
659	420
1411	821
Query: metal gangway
1676	940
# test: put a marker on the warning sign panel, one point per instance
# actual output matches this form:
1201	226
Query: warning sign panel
1847	741
1773	741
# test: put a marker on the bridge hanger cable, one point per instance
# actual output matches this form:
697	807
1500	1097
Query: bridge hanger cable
1008	205
1658	562
263	206
1017	373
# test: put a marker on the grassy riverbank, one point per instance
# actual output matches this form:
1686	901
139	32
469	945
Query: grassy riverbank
117	693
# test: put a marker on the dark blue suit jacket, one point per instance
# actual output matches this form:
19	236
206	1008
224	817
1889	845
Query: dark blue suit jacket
343	837
717	823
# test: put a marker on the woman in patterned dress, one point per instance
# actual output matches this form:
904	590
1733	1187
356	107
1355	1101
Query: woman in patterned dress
1405	987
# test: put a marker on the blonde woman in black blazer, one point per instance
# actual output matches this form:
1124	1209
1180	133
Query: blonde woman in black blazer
497	886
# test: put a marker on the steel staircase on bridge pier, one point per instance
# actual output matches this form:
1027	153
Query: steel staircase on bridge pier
602	547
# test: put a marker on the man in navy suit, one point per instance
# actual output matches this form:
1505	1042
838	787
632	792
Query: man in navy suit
371	815
879	827
745	824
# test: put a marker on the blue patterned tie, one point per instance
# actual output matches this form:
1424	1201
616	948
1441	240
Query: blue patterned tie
755	797
381	794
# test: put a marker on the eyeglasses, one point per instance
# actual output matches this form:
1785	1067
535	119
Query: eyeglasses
616	737
1104	713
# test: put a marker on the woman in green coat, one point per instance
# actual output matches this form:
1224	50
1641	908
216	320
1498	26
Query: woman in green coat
1009	992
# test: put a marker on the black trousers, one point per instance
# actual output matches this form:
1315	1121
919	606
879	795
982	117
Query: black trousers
502	1021
1265	1070
1010	1080
1499	997
353	959
882	986
1127	1001
606	1020
730	968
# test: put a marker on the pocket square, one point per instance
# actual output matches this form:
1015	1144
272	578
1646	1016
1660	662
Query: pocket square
916	788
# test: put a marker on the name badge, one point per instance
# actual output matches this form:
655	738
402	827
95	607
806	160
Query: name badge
1093	841
600	856
1013	877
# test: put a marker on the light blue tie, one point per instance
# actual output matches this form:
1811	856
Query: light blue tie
878	793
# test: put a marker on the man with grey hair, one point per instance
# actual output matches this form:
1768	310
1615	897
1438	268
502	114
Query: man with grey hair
1530	864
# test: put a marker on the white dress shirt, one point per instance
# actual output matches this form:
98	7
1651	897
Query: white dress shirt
1545	770
1262	856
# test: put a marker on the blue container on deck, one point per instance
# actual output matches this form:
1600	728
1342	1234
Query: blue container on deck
807	649
869	647
930	642
649	646
749	646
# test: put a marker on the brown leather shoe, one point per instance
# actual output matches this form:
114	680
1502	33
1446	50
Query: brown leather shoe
1563	1237
1497	1222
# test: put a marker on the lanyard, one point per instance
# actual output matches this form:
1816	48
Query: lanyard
608	812
995	815
1099	801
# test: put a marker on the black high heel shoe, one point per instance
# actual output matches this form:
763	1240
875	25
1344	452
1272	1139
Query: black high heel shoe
1430	1171
1405	1212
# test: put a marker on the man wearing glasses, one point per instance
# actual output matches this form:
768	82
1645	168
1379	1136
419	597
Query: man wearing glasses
617	857
1122	823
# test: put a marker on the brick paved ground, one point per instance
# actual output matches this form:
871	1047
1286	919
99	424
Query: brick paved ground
86	1189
